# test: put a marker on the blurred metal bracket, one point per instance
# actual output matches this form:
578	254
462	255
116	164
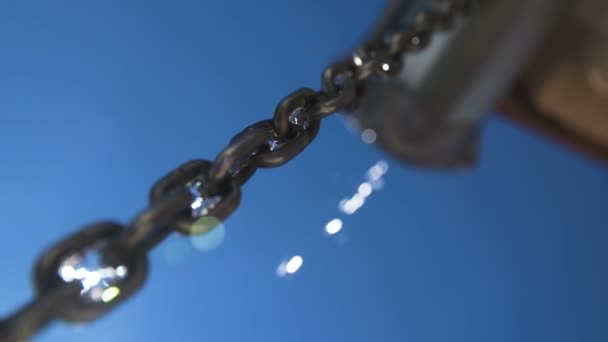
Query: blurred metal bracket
563	92
430	115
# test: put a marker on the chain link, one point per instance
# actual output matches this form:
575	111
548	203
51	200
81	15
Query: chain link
211	189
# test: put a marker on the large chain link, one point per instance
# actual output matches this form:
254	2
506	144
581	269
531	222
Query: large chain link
265	144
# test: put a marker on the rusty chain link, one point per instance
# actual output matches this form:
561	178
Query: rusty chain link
203	189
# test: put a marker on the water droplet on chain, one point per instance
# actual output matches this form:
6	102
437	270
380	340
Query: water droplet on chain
201	204
95	277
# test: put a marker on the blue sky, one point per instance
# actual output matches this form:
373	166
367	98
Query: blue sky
100	99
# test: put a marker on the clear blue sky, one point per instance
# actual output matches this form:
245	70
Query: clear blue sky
98	99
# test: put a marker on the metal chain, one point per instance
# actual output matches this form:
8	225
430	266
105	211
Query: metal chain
193	198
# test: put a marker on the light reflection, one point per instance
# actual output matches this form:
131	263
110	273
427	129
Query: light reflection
294	264
377	184
377	170
290	267
121	271
201	205
334	226
298	119
207	231
210	234
94	278
368	136
350	205
352	125
374	181
109	294
365	189
383	165
273	144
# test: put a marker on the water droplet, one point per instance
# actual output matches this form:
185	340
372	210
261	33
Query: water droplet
357	60
298	118
109	294
365	189
88	269
201	204
290	266
294	264
334	226
377	184
273	144
383	165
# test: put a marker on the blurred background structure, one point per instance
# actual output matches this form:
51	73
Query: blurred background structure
564	89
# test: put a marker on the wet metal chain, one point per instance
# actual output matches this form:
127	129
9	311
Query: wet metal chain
87	274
